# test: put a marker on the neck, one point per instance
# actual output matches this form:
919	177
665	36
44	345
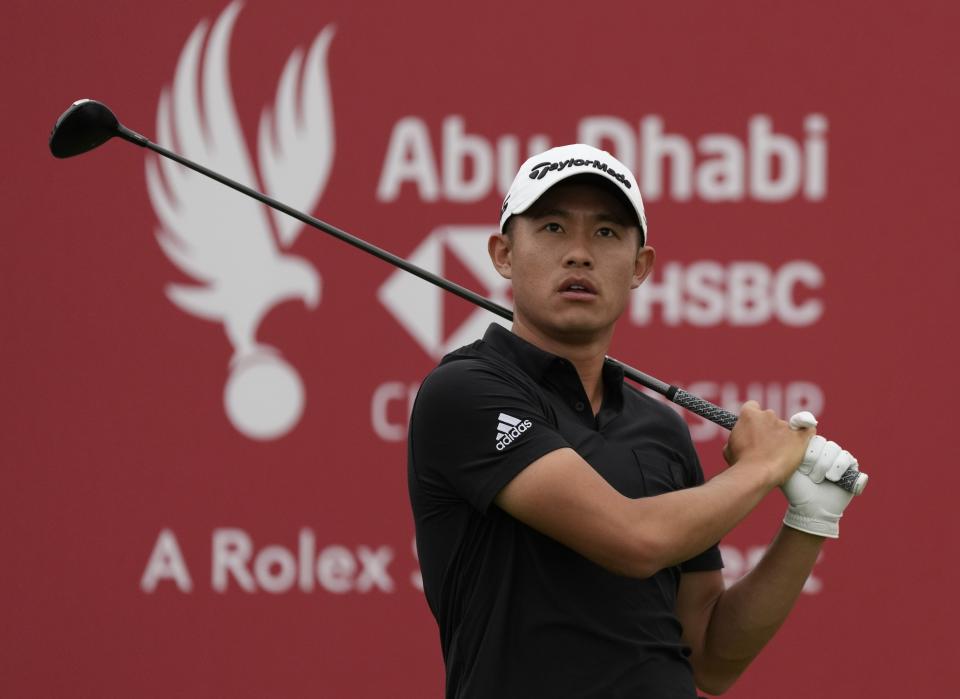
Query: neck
586	352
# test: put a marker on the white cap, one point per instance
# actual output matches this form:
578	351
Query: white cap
542	171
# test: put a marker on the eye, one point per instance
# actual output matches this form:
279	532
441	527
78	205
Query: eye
553	227
607	233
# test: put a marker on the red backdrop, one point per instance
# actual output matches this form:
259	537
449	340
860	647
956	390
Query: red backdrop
203	433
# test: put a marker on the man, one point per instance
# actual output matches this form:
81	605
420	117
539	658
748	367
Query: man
566	537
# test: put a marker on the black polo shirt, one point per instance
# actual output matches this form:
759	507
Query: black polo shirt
521	615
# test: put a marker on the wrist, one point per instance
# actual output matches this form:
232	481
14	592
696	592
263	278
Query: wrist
761	470
800	538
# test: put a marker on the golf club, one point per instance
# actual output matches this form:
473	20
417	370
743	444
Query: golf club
87	124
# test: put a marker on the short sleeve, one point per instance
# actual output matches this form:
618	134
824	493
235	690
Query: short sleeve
474	427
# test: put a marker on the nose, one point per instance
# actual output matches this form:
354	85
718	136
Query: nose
578	255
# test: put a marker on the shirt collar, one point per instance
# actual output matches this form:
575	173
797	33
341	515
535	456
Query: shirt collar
538	364
533	360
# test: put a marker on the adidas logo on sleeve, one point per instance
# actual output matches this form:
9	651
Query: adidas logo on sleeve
509	429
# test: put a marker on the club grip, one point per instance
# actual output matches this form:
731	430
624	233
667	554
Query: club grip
852	480
704	408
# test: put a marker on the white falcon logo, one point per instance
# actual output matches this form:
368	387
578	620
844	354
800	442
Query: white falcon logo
234	247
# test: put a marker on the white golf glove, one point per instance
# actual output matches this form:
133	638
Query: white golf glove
815	506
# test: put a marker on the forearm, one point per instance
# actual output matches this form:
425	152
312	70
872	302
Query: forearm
763	452
562	496
677	526
748	614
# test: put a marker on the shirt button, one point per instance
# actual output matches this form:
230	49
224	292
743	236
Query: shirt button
579	406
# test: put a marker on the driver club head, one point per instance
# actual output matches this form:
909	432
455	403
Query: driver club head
85	125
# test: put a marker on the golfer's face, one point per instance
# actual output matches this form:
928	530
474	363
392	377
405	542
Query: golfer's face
573	260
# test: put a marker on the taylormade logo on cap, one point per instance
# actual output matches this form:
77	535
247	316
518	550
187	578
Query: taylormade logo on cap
542	171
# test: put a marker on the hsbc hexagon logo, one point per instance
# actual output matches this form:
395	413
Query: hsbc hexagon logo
419	306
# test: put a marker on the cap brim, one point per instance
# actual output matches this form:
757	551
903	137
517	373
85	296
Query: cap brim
519	205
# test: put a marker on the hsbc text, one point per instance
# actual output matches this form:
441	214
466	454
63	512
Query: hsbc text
744	293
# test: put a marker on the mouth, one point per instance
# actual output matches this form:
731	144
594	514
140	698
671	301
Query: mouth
577	288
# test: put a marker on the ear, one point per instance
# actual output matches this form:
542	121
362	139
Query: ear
643	265
499	248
